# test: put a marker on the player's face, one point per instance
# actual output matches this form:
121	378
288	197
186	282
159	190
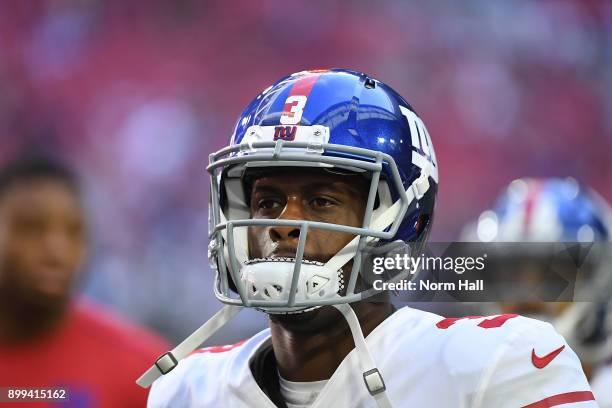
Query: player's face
42	240
312	195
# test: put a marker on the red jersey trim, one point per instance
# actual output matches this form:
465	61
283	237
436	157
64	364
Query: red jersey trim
217	349
560	399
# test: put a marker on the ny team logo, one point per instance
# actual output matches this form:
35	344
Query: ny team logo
421	142
286	133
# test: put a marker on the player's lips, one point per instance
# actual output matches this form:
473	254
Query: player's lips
283	254
283	251
52	280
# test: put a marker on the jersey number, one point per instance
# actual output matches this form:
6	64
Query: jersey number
490	323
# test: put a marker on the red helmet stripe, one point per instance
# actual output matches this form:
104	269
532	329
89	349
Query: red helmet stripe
302	87
533	194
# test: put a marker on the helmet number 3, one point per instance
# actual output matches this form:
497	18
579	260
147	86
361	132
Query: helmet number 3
294	108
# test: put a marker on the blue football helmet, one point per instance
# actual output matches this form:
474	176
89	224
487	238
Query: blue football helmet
341	121
545	210
559	211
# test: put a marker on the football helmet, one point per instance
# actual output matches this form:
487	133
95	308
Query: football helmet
560	210
546	210
341	121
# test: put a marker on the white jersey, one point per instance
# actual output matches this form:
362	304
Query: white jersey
602	386
425	360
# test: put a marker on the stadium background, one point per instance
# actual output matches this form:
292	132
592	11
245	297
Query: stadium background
136	94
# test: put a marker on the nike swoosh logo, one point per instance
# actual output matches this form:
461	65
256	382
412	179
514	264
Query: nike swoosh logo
541	362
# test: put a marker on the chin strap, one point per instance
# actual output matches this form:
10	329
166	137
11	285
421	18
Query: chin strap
167	361
371	376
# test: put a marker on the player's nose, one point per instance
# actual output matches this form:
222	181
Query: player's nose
56	249
292	211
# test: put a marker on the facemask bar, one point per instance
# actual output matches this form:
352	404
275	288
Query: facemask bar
305	155
304	227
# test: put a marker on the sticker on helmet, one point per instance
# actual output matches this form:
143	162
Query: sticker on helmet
294	108
421	142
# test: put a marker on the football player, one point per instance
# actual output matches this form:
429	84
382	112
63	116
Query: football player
326	170
559	210
49	339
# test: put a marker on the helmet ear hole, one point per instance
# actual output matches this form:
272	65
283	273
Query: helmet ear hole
421	223
232	285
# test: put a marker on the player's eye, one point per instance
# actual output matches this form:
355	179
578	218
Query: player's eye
30	226
322	202
268	204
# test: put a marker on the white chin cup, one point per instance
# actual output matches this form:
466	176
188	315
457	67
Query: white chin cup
270	279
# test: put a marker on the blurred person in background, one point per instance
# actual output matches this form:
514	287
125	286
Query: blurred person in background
540	211
47	337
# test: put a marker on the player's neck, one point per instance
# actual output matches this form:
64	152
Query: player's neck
313	356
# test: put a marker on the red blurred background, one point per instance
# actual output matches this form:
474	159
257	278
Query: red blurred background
137	94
